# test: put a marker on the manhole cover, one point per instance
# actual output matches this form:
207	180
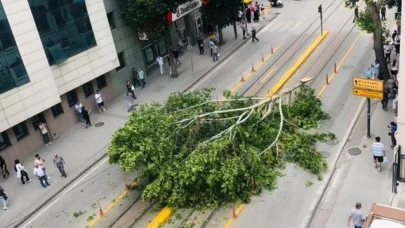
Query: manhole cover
325	154
332	142
354	151
348	66
99	124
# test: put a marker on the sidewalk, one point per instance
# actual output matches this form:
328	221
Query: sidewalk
83	148
356	179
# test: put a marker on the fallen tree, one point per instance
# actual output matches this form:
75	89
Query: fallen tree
200	152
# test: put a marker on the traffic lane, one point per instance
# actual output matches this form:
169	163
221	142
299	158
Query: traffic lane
76	204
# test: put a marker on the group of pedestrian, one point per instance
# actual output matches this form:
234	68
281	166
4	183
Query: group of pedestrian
254	10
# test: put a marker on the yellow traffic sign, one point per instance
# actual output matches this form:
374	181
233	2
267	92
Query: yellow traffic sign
368	84
368	93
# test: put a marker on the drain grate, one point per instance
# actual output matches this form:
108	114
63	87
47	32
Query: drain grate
325	154
99	124
332	142
354	151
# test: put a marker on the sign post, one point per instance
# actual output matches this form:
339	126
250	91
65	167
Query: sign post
369	88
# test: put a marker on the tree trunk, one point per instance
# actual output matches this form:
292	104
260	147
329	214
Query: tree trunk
378	39
235	30
169	44
220	36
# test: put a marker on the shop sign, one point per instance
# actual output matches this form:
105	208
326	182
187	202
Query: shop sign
185	9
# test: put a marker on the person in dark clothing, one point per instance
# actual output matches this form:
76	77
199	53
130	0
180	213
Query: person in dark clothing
248	15
135	77
86	116
254	35
176	57
256	14
384	101
130	89
394	34
383	10
4	198
3	167
200	43
393	129
356	14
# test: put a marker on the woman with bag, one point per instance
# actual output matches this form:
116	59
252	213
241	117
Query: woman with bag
21	172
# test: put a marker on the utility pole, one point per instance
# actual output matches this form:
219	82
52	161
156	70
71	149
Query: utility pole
320	12
368	118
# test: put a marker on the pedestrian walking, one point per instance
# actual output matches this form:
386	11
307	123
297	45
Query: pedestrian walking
254	34
3	167
378	150
142	77
99	101
176	57
86	116
135	77
215	53
130	89
243	27
59	163
40	174
393	129
394	68
367	73
200	43
160	61
21	172
211	44
397	42
4	198
248	15
357	216
356	14
169	64
376	69
40	162
383	10
78	108
45	133
387	52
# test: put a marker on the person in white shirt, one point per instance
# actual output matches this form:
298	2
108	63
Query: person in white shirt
40	174
21	172
159	60
387	52
78	108
45	133
397	42
100	101
378	150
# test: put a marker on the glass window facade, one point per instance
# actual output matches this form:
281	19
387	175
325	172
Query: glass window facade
20	130
64	27
101	82
72	97
12	69
57	110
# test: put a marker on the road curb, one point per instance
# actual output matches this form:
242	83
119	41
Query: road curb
226	57
324	187
53	196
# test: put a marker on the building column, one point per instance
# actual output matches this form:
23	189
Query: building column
401	94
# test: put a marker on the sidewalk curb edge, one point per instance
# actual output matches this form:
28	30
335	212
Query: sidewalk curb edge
324	187
53	196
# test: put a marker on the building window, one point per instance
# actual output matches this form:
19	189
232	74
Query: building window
64	28
72	97
88	89
57	110
101	82
110	18
121	60
20	130
37	119
4	141
150	54
12	69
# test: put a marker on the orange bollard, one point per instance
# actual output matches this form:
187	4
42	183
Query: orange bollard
262	58
234	212
242	79
253	68
327	79
126	184
100	210
335	69
272	51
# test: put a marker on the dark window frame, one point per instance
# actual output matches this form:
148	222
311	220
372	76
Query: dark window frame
111	22
57	110
24	132
40	117
72	97
88	89
121	60
101	82
6	143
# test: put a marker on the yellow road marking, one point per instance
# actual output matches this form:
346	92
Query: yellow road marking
339	66
111	205
237	212
287	76
161	218
267	75
237	86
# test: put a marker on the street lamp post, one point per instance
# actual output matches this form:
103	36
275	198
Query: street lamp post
320	12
